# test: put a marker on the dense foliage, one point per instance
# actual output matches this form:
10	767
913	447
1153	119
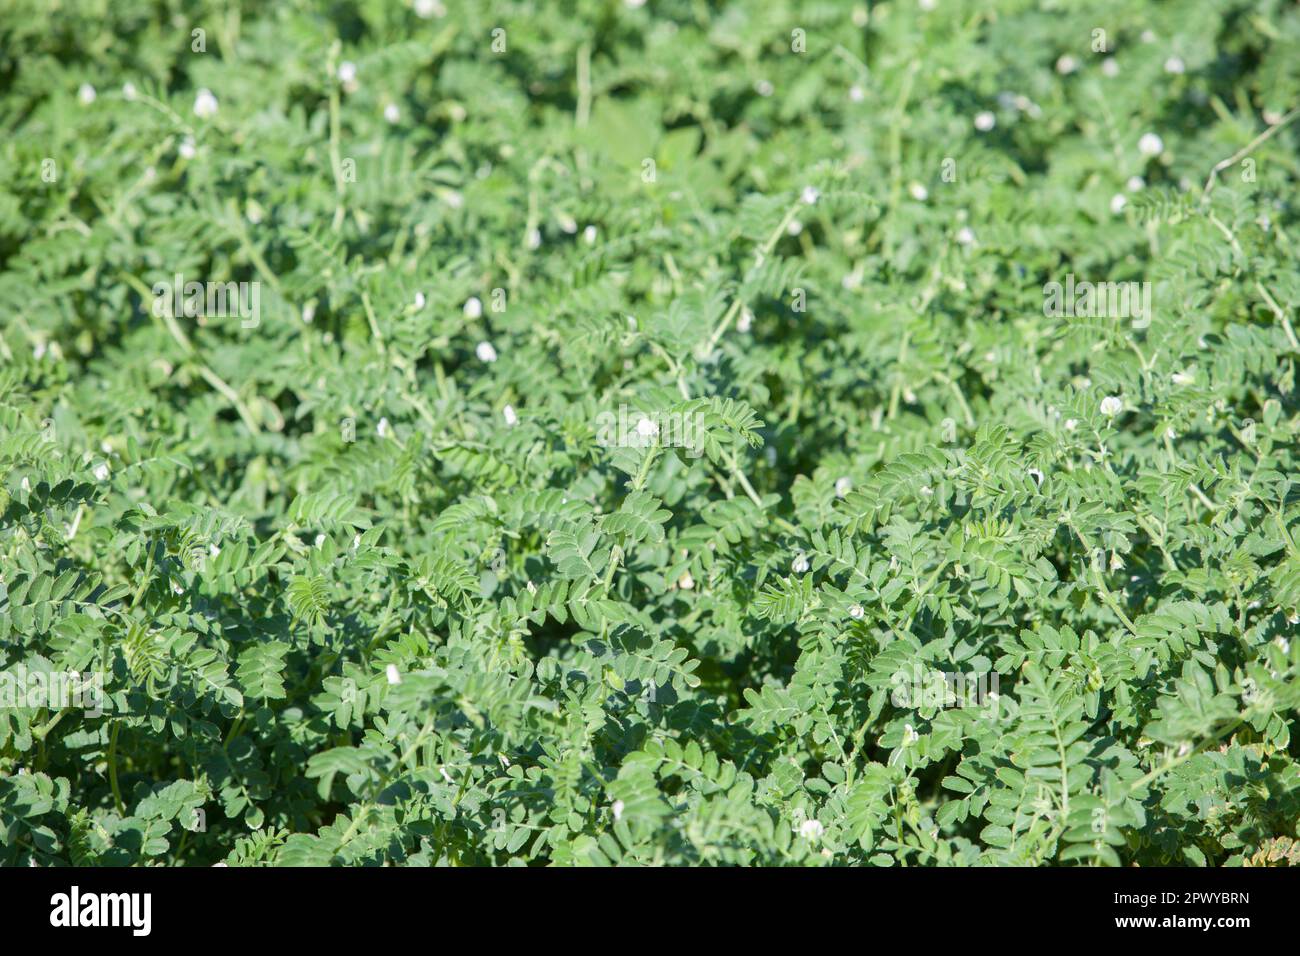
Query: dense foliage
643	435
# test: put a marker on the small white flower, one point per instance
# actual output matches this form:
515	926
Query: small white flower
646	428
213	550
856	611
794	228
1071	424
1147	37
320	539
128	91
686	582
1111	406
810	195
86	94
101	471
177	588
205	104
1066	65
965	236
910	736
1117	203
1135	184
453	199
617	807
589	234
800	564
1110	66
857	94
843	486
420	300
634	4
1151	145
392	113
347	72
985	121
509	414
1116	562
927	491
424	9
383	428
763	88
1184	378
309	312
746	320
1170	434
811	830
393	674
356	541
919	192
485	352
534	238
473	307
186	149
1175	65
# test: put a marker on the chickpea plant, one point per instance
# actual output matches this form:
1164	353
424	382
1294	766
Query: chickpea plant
590	433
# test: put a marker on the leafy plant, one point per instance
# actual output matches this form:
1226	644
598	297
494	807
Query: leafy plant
647	434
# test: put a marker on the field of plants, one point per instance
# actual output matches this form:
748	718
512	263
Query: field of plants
649	432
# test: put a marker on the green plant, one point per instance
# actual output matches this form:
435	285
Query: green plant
648	434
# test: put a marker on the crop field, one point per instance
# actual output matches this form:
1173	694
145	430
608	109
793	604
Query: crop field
649	433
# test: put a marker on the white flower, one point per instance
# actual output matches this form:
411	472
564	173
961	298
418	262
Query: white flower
927	491
101	471
910	736
1135	184
1066	65
794	228
919	192
393	674
1151	145
746	320
424	9
634	4
1147	37
320	539
1116	562
356	541
205	104
485	352
1111	406
392	113
213	550
686	582
86	94
1071	424
800	563
347	72
810	195
646	428
186	149
420	300
843	486
509	414
1184	378
763	88
1175	65
177	588
985	121
856	611
1110	66
811	830
453	199
473	307
383	428
26	484
128	90
589	234
309	312
1117	203
617	807
857	94
965	236
534	238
